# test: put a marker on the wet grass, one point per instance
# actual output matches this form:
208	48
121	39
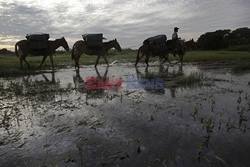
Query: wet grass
213	56
241	67
190	80
10	65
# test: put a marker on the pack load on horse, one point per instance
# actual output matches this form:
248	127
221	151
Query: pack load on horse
38	43
155	43
93	41
158	39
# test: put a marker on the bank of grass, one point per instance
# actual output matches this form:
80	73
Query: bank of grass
240	48
9	64
212	56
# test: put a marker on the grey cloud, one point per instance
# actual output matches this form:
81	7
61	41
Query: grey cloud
130	21
17	19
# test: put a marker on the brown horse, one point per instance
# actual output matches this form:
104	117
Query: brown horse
162	50
22	50
80	47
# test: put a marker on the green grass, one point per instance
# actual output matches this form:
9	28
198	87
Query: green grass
240	48
211	56
10	65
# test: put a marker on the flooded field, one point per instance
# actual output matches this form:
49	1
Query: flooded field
200	117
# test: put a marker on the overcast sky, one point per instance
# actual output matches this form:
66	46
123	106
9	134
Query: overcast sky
130	21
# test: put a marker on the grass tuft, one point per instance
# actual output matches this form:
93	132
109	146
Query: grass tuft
192	79
241	67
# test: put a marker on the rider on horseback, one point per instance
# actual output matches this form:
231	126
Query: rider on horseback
175	40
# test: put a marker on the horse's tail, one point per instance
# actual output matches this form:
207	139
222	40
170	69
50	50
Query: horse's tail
72	52
138	53
16	51
137	57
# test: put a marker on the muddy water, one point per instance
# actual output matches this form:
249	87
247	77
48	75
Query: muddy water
51	119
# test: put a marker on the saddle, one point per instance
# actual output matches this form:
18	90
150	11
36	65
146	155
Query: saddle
93	41
38	43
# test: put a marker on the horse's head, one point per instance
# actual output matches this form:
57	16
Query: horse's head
116	45
64	44
191	45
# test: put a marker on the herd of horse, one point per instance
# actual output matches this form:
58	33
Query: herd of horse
80	47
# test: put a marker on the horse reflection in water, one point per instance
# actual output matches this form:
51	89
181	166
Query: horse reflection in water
81	85
43	87
164	73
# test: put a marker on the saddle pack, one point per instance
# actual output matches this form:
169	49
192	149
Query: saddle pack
93	41
158	39
156	43
38	43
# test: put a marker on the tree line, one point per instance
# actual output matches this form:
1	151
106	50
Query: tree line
224	39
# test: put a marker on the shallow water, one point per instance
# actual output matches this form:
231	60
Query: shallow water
52	119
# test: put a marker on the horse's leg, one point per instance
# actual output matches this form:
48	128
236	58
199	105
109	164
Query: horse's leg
51	60
21	62
44	57
77	62
181	58
139	58
146	60
165	59
97	60
105	58
26	62
22	56
76	58
161	57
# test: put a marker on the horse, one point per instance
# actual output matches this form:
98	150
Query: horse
81	47
22	50
148	50
162	50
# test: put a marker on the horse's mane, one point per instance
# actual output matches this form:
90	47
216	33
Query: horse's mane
109	41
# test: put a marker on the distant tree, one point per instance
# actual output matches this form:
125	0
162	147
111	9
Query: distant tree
222	39
5	51
214	40
239	36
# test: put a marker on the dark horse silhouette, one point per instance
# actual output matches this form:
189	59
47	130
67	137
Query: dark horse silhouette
80	47
163	50
22	50
147	50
